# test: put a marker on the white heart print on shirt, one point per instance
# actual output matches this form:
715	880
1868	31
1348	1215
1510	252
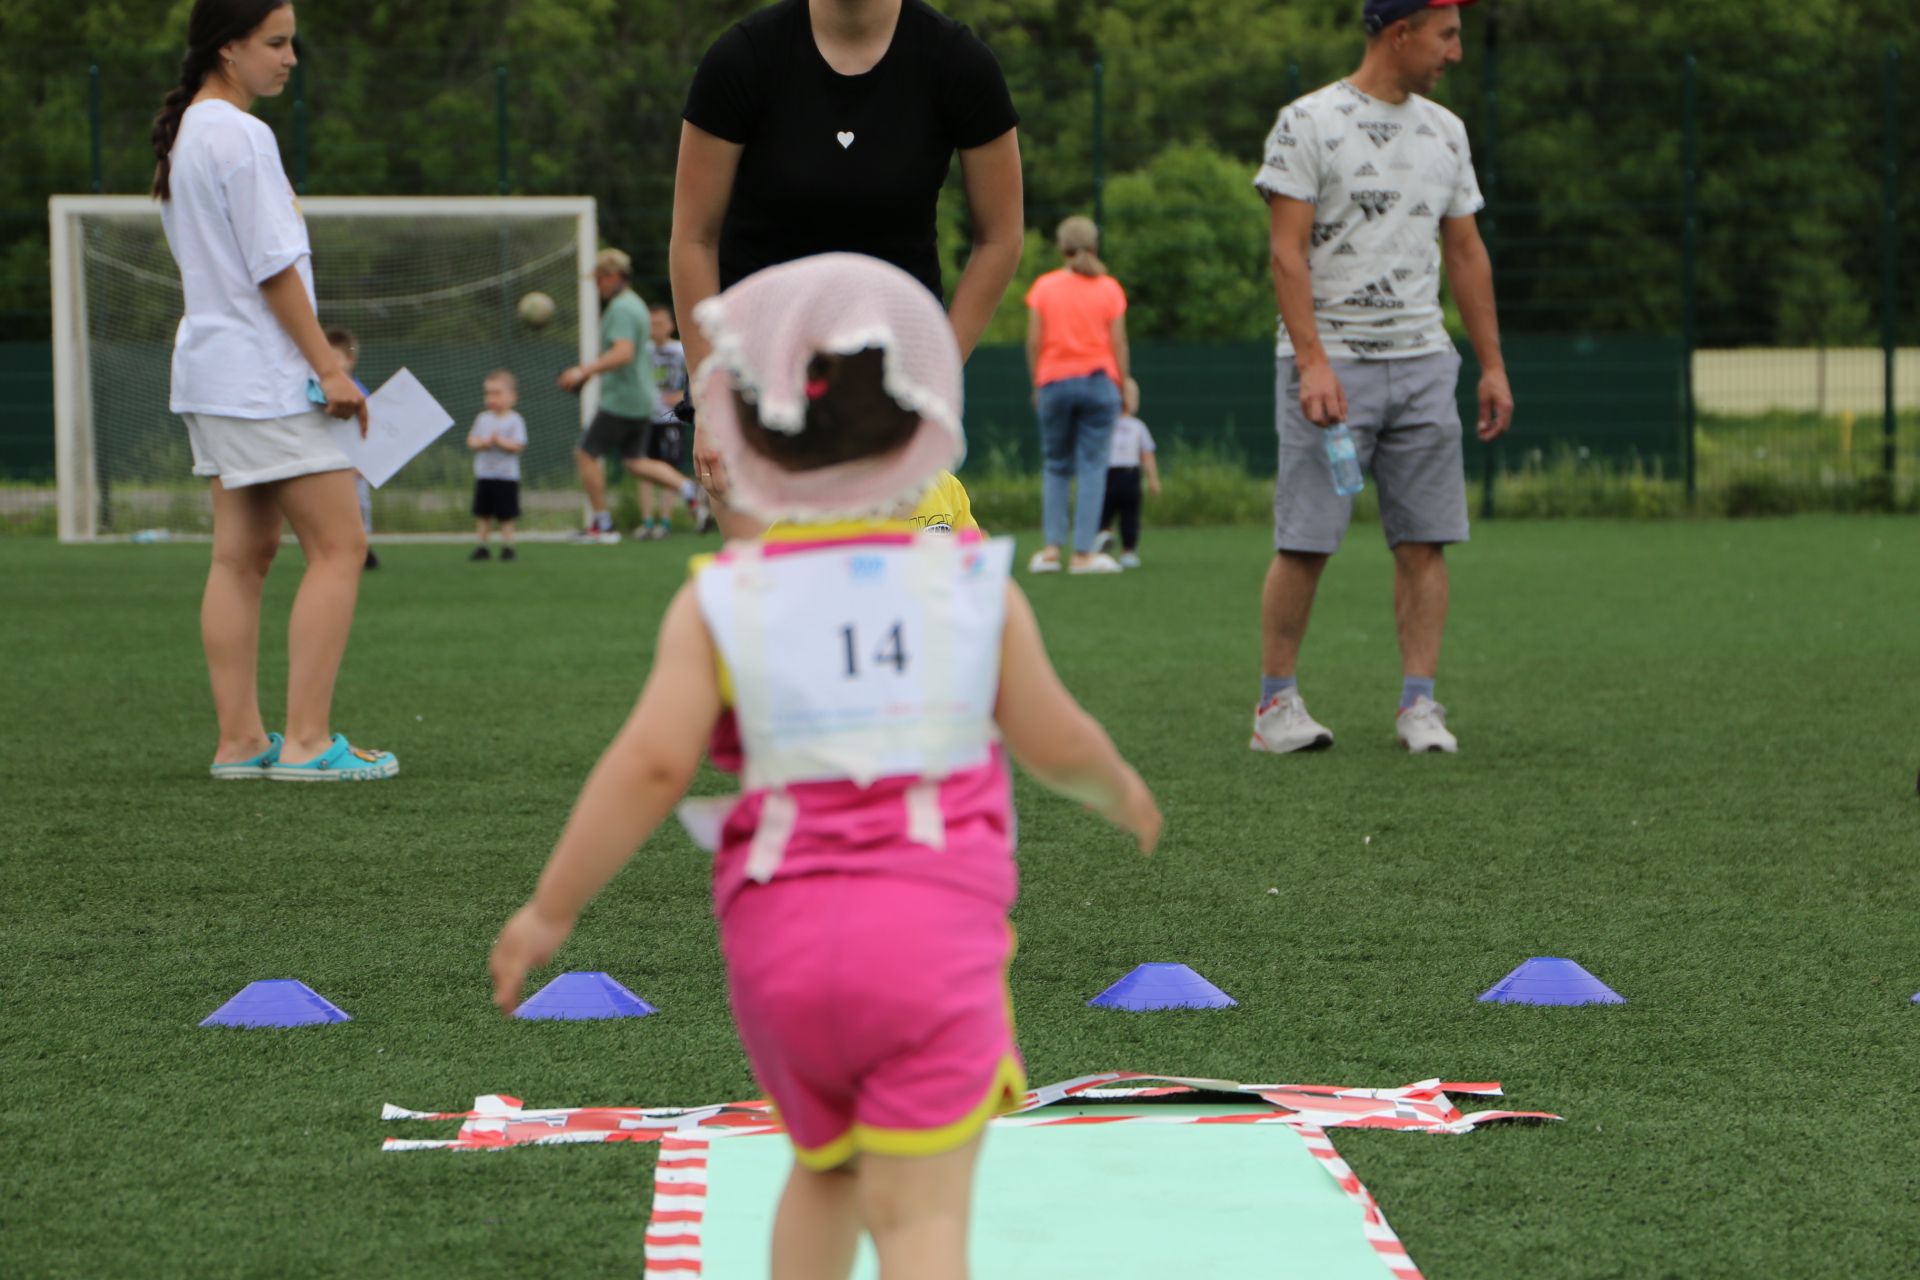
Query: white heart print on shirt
845	137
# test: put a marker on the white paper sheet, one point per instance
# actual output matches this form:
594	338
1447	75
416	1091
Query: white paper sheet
402	419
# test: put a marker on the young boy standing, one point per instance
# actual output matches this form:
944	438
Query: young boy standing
498	437
1132	457
664	434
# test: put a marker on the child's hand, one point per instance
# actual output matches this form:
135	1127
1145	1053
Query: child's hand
1153	487
527	941
1139	814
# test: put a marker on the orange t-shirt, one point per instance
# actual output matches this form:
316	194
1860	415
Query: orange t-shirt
1076	325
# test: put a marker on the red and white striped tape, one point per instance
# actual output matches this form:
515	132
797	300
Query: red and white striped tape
1372	1221
499	1122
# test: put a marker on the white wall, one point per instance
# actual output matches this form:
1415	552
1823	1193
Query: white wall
1838	380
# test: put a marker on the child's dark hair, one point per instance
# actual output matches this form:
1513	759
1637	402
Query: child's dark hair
341	338
849	416
213	25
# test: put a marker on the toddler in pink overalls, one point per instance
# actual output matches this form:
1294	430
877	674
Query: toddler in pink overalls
867	680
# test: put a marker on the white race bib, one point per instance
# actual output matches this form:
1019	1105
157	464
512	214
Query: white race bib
861	661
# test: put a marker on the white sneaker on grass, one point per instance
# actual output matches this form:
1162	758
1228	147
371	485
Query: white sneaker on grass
1098	562
1128	560
1423	727
1281	725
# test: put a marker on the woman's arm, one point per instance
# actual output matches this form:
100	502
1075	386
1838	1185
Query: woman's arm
1151	465
1122	352
286	296
702	188
1036	335
631	791
995	201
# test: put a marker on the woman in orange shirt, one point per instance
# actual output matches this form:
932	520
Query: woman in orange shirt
1077	354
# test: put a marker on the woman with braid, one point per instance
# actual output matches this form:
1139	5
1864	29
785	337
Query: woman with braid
256	381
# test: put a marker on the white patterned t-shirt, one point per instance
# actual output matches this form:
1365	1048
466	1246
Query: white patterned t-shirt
1380	176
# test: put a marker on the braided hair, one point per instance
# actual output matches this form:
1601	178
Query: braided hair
212	26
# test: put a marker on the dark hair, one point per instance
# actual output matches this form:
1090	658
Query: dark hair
851	417
339	336
213	25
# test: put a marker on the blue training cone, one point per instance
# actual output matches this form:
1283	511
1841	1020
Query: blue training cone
1551	980
1162	986
276	1002
574	997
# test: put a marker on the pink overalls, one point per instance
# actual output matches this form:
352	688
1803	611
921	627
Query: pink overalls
863	878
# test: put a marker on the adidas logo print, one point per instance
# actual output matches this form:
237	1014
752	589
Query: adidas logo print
1381	131
1325	231
1421	211
1426	131
1360	348
1348	109
1333	144
1378	296
1366	171
1346	251
1402	274
1375	203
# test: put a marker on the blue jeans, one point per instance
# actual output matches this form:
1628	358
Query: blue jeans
1076	435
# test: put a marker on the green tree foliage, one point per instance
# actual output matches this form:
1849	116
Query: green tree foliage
1582	155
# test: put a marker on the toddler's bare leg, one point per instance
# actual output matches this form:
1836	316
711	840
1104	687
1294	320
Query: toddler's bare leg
818	1225
916	1210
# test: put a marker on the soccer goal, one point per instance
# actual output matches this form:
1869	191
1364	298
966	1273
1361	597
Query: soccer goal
431	284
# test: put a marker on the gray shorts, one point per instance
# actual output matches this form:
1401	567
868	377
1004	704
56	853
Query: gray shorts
1406	427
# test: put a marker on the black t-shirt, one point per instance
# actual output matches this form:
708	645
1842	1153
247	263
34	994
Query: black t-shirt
844	163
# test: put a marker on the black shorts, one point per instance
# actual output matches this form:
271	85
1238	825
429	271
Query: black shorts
496	499
614	435
664	442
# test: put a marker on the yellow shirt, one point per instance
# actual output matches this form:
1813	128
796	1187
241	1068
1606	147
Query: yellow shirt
944	509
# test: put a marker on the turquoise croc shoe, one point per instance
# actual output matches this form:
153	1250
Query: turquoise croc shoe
254	767
342	762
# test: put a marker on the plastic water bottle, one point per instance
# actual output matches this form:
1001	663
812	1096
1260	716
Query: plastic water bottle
150	535
1345	460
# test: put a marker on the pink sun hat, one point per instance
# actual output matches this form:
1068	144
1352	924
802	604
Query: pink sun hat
765	331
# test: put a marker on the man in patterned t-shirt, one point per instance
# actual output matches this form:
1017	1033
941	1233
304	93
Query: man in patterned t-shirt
1371	189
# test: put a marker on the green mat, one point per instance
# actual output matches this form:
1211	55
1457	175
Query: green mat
1117	1201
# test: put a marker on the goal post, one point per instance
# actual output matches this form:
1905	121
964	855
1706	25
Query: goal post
428	283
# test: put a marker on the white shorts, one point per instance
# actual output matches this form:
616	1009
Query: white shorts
244	451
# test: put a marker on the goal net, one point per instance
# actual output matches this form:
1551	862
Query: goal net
429	284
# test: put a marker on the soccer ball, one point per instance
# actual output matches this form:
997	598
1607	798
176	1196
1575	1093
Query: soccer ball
536	309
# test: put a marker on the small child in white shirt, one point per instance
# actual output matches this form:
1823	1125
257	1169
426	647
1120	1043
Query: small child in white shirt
498	438
1133	454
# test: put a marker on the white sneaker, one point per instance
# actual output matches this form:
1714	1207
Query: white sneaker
1281	724
1043	563
1128	560
594	536
1104	542
1423	727
1099	562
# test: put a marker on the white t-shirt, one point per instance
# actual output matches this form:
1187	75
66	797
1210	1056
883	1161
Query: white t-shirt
1380	177
1130	439
669	377
498	464
233	222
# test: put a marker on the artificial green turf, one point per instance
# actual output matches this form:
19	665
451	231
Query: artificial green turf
1688	762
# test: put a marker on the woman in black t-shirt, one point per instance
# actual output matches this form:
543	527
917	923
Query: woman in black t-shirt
822	125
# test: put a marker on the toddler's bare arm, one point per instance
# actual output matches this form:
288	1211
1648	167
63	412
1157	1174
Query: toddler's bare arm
1054	738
